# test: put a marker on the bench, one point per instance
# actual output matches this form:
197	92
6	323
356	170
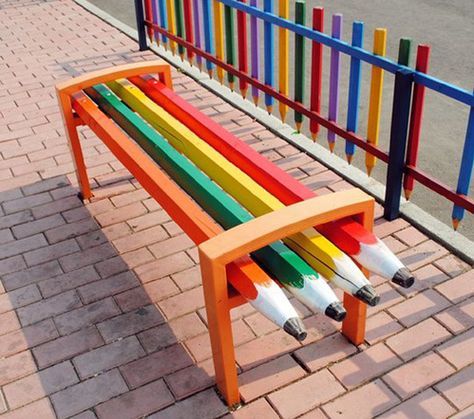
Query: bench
226	268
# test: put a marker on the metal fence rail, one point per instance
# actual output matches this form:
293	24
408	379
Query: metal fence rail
206	31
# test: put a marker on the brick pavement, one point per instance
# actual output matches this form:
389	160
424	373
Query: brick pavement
101	307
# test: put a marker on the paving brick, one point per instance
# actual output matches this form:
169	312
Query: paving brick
27	337
170	246
137	257
71	230
192	379
68	281
422	254
458	288
419	307
417	375
130	323
17	218
41	384
418	339
39	226
32	275
305	394
146	294
5	236
458	318
88	414
325	351
67	347
118	215
458	351
465	413
258	409
164	267
21	246
107	287
204	404
383	228
156	365
49	307
200	346
40	409
264	349
129	198
16	367
365	366
411	236
111	266
86	316
260	325
19	298
51	252
379	327
137	403
56	207
255	383
458	388
148	220
12	264
26	202
87	257
183	303
107	357
174	331
190	278
452	265
426	277
428	404
140	239
103	235
8	322
368	401
388	297
88	393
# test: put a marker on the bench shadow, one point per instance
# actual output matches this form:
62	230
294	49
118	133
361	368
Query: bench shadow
81	308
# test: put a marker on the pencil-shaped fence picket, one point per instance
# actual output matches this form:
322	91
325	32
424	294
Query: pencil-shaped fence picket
254	41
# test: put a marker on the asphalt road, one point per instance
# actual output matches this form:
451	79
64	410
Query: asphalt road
448	27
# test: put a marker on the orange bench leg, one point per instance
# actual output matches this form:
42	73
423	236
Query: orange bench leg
214	281
75	145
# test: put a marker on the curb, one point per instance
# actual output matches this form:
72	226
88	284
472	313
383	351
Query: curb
456	243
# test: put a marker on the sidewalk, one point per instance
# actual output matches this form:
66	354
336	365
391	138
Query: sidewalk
101	306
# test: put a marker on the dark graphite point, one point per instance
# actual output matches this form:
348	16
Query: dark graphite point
368	295
295	328
336	311
404	278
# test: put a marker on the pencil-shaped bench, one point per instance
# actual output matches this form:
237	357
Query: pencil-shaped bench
224	255
349	236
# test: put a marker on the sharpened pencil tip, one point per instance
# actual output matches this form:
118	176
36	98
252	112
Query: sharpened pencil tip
404	278
243	92
408	194
314	136
295	328
231	85
369	170
349	158
255	100
269	109
298	126
331	144
336	311
211	73
368	295
456	223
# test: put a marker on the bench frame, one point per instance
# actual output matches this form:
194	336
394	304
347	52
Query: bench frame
226	247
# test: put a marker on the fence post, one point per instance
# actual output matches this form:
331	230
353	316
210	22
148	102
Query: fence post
398	142
140	16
